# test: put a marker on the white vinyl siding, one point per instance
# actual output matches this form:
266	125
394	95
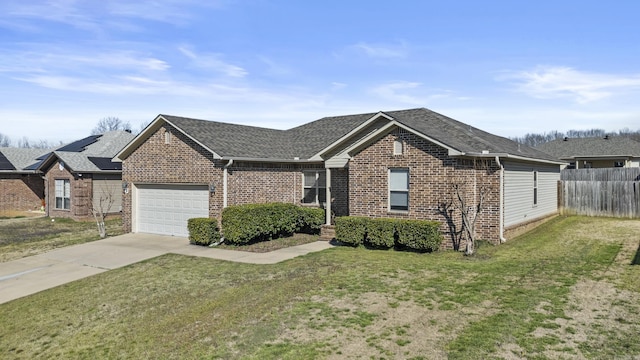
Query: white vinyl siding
165	209
519	194
398	189
63	194
314	187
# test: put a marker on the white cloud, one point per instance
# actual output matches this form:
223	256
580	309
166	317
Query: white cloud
91	15
566	82
405	92
385	51
213	62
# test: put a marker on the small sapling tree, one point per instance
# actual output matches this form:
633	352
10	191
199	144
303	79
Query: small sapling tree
101	207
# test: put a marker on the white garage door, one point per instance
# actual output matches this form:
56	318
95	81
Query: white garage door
165	209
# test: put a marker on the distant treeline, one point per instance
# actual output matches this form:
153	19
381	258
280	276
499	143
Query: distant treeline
536	139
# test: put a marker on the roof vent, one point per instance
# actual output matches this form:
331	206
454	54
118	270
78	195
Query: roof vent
606	137
565	139
485	151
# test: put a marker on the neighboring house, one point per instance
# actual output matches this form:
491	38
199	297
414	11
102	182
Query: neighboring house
81	175
68	180
396	164
21	189
601	152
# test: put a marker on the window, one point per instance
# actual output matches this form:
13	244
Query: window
63	194
535	188
618	164
399	189
167	137
314	187
397	147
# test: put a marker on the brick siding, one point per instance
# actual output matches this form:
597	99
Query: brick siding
81	192
431	171
21	192
183	161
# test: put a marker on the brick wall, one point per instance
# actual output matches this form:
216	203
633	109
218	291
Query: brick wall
21	192
182	161
431	172
81	191
340	191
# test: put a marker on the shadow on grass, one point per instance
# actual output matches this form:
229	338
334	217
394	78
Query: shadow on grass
636	259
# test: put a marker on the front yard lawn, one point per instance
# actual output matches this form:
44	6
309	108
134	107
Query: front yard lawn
565	290
20	237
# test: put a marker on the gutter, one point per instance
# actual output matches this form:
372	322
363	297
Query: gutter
225	186
501	222
515	157
273	160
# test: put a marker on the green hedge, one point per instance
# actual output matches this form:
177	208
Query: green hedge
245	224
310	220
351	230
380	233
203	231
421	235
418	235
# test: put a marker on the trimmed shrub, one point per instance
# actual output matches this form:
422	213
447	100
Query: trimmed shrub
238	226
251	223
351	230
420	235
381	233
310	220
203	231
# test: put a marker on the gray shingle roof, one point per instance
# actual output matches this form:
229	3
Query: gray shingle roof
591	147
463	137
21	158
305	141
105	146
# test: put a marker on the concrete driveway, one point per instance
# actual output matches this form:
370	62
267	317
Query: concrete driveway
32	274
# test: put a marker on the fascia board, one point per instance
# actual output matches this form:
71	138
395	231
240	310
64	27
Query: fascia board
515	157
148	131
318	156
385	129
139	139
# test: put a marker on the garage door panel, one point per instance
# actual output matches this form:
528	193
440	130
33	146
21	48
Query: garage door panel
166	209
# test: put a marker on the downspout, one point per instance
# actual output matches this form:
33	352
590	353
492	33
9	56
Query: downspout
225	186
501	225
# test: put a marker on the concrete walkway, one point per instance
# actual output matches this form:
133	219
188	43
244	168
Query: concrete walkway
33	274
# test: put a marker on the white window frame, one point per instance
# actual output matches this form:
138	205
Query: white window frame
536	178
397	190
62	192
316	186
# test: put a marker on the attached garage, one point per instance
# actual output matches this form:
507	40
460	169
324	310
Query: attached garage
165	209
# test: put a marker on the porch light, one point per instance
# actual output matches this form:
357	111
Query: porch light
212	188
125	187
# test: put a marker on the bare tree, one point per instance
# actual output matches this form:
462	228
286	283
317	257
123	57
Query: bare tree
110	123
466	198
143	125
101	209
24	143
5	141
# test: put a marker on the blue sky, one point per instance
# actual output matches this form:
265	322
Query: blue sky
508	67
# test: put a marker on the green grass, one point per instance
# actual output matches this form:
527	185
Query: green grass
519	299
31	236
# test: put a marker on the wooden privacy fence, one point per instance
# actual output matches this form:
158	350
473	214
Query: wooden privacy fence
600	192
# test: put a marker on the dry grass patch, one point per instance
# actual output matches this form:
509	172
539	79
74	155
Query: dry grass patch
23	237
552	293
